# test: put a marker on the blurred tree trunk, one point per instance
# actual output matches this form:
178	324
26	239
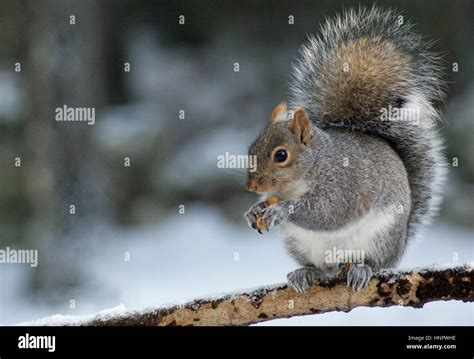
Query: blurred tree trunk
64	67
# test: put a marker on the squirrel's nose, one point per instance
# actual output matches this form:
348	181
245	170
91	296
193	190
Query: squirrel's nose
251	185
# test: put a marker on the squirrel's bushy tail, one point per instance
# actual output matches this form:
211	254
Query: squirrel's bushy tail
368	71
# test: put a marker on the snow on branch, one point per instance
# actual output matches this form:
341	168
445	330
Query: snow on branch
412	288
408	288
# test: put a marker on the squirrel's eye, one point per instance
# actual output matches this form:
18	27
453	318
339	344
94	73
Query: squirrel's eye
280	156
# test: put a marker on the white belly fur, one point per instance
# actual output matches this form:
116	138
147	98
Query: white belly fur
359	235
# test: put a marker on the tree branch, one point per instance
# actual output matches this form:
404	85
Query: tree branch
411	288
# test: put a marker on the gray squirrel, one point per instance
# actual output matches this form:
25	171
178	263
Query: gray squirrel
356	165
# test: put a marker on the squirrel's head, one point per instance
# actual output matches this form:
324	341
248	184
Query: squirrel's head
279	151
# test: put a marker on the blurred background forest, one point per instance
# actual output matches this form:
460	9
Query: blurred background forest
127	242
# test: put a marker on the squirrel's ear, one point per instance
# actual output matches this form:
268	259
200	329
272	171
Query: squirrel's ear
301	126
279	114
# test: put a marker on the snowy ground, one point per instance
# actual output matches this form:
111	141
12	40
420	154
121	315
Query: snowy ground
201	253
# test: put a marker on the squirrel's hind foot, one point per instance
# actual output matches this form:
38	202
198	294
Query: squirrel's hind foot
302	278
359	276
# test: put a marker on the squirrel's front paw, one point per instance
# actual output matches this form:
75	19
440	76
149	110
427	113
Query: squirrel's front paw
273	215
254	214
265	215
359	276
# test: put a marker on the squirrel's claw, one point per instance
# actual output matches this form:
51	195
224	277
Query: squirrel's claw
359	276
251	218
254	216
301	278
254	226
298	280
